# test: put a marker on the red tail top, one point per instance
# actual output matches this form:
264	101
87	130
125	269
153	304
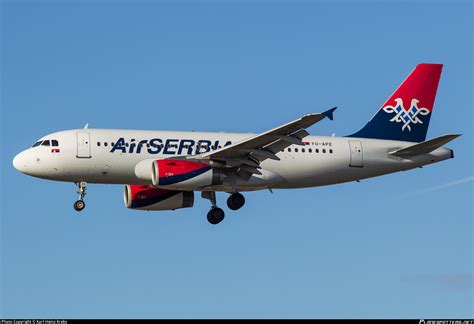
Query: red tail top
420	85
406	115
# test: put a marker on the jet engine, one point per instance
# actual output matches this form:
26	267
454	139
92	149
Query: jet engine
151	198
178	174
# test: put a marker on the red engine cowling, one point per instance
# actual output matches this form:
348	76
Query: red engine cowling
150	198
179	174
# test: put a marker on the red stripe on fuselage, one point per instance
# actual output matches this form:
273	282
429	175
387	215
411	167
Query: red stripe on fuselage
170	168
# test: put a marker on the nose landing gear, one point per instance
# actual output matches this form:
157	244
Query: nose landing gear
80	204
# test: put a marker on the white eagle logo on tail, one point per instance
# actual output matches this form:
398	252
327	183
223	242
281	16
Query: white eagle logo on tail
406	117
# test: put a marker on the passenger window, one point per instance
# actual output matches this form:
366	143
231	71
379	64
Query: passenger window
54	143
302	150
289	150
296	150
324	150
98	143
126	144
46	143
105	144
330	151
310	150
111	144
317	150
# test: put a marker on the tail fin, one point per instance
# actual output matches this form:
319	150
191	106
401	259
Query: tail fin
406	114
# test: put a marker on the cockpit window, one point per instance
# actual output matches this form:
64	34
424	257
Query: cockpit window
46	143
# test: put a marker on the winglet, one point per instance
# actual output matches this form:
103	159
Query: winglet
328	113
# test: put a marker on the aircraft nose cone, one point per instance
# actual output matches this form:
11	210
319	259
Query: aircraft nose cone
19	162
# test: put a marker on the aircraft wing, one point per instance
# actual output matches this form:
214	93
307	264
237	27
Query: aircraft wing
248	153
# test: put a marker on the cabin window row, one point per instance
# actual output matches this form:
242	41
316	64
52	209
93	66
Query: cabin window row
309	150
155	145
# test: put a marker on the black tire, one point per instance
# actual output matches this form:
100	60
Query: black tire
215	216
235	201
79	205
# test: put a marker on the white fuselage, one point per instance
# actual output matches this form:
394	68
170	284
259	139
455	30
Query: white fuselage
88	155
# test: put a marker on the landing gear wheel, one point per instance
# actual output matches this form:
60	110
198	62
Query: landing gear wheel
235	201
215	215
79	205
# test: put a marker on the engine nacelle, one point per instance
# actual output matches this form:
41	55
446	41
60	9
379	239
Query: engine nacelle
151	198
178	174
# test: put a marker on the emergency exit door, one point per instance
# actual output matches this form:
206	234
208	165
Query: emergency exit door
83	145
356	154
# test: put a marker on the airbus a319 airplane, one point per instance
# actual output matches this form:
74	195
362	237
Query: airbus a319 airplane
161	170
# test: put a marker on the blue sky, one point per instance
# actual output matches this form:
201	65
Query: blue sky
397	246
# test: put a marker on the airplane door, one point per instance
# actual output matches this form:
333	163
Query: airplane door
356	154
83	145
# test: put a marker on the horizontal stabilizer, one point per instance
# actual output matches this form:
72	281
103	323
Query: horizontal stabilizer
424	147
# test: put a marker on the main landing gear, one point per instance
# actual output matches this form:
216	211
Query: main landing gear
235	201
216	214
80	204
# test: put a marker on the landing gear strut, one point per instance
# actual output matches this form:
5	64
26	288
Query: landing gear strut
216	214
80	204
235	201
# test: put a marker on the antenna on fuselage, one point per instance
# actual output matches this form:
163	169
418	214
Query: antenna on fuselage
87	126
